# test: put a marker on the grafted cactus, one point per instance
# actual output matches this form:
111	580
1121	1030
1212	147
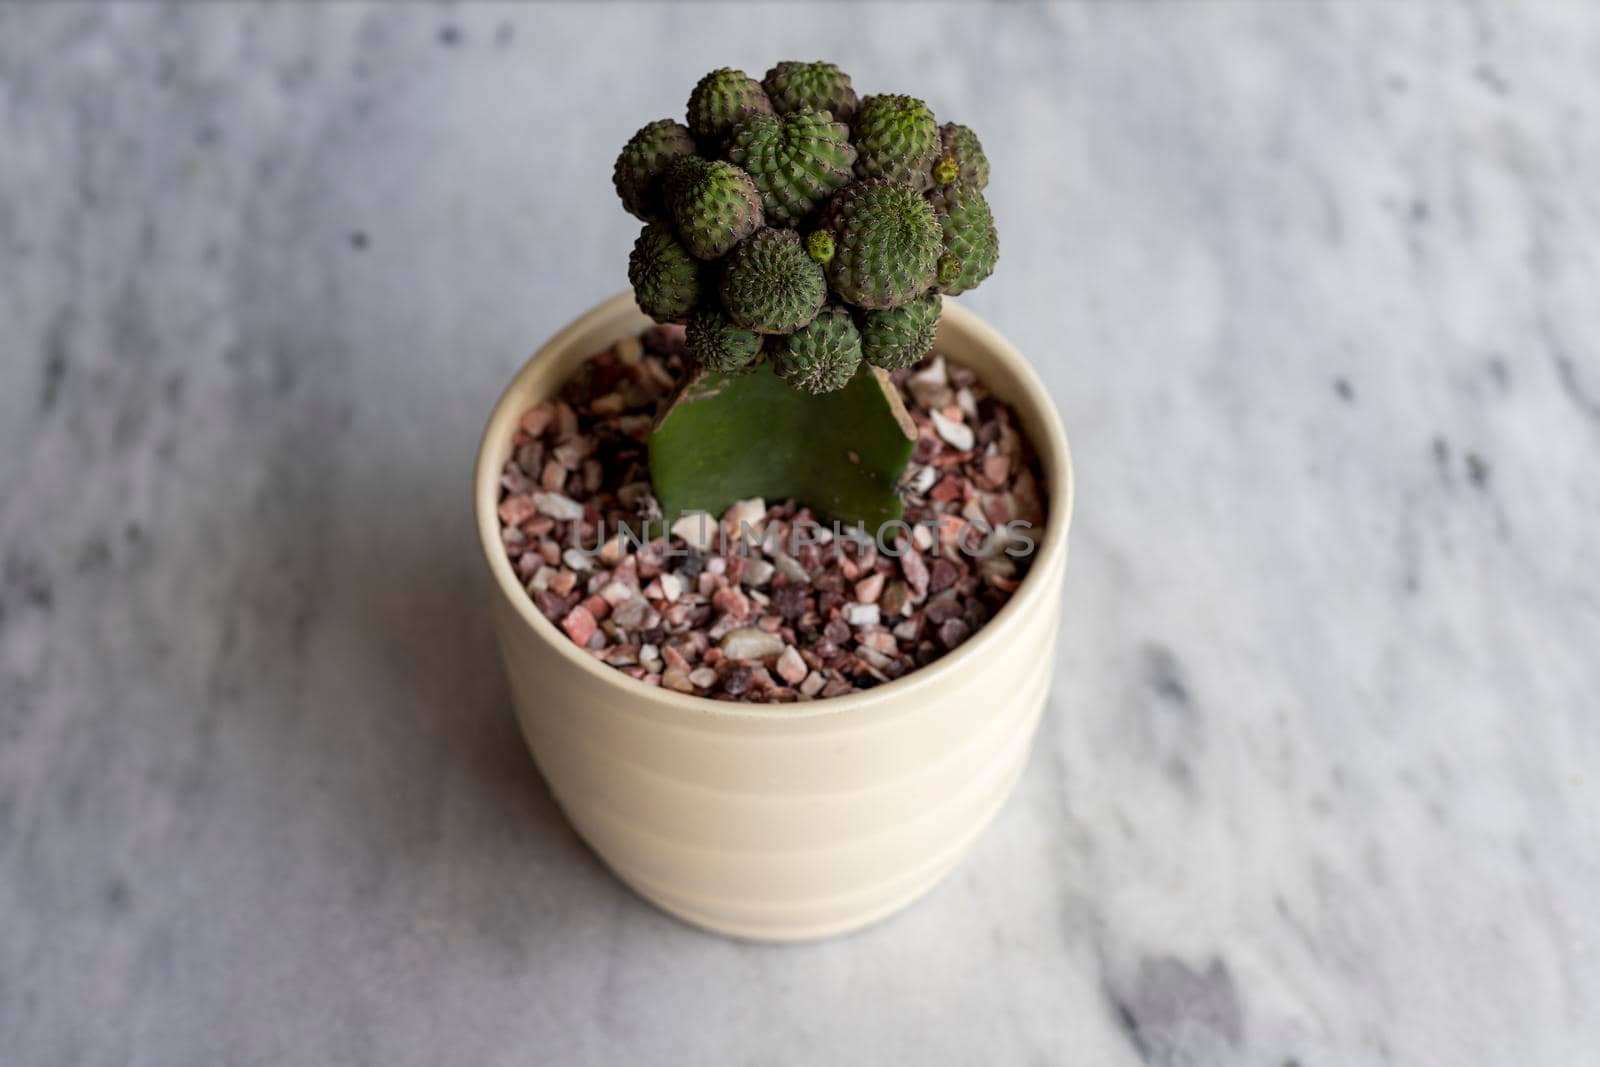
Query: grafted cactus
806	237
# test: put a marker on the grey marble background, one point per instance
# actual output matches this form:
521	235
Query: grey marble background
1314	287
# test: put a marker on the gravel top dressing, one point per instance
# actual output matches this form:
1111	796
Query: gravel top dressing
767	602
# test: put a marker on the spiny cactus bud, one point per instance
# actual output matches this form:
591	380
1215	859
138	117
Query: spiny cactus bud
716	342
900	336
721	99
792	86
960	144
887	242
947	271
819	246
637	174
820	356
897	138
946	170
664	276
969	236
714	205
796	161
770	285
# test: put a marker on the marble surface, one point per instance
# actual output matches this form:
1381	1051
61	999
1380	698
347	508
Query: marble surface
1314	288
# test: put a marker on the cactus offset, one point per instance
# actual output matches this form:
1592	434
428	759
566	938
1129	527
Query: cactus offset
899	337
792	86
796	161
770	284
664	276
717	342
714	205
969	237
896	137
721	99
639	168
887	242
799	232
821	356
959	145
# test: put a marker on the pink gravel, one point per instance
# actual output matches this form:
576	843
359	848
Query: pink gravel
761	623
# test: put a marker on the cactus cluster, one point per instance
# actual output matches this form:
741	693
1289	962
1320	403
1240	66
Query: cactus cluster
793	223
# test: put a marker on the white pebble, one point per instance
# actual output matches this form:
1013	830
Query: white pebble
748	642
860	614
791	668
615	593
629	351
957	435
757	572
744	512
558	507
671	587
790	568
696	529
576	560
703	677
932	374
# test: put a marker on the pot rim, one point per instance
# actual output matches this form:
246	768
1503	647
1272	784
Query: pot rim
1052	450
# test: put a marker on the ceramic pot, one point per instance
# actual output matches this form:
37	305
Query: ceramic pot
783	822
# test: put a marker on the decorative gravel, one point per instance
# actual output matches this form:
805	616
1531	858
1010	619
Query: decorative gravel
744	606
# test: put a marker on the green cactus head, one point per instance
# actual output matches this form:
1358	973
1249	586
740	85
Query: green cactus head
721	99
797	160
639	167
821	356
896	137
887	243
792	86
899	337
714	205
959	145
716	342
664	276
770	284
969	237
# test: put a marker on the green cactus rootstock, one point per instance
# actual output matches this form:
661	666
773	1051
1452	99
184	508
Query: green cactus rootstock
804	235
727	438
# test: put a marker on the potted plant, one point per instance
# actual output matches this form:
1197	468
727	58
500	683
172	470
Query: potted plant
777	538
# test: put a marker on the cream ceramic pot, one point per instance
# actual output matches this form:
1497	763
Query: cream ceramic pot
783	822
